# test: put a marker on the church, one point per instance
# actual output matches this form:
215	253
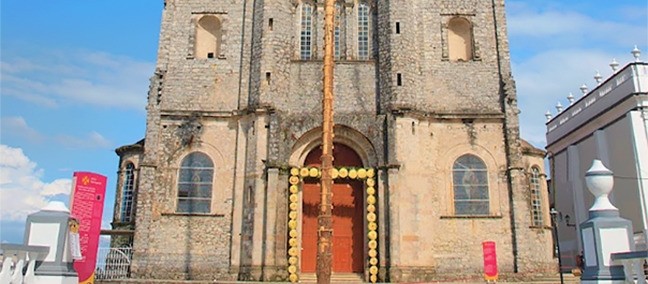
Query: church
429	165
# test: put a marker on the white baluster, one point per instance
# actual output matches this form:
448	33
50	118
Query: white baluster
30	277
17	277
5	273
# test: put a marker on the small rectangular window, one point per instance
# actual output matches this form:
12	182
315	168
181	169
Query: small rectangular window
398	27
270	23
210	55
399	79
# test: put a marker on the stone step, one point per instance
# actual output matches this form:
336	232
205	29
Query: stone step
335	278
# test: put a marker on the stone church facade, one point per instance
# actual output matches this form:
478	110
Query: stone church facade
428	159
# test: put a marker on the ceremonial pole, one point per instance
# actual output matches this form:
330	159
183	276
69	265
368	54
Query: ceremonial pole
325	222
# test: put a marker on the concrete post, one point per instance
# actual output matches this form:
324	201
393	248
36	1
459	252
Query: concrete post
604	232
49	227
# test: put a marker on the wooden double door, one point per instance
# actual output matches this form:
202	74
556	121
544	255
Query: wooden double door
348	225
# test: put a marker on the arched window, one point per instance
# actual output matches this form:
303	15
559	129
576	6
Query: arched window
460	39
208	37
306	31
363	31
536	197
128	178
195	184
470	179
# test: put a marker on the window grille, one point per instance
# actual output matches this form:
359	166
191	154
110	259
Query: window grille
536	198
195	184
337	31
306	31
363	31
127	193
470	179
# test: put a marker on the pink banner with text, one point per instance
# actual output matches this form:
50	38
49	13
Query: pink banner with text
87	200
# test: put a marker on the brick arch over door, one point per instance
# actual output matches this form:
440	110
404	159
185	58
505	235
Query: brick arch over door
348	218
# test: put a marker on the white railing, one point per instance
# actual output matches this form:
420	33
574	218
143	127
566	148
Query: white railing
113	263
18	263
633	265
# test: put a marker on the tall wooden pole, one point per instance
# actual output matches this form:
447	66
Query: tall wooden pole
325	222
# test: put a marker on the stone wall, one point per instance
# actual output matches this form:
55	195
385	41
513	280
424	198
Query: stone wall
255	110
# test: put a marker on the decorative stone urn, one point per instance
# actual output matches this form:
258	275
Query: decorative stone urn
600	181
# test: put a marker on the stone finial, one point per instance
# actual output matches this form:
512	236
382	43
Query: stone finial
614	65
597	77
548	115
571	98
584	89
559	107
636	53
600	181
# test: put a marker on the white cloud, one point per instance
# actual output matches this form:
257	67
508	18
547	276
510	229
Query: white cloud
569	27
91	140
21	186
16	125
53	78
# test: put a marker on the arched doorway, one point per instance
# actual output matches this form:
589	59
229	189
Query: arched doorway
347	212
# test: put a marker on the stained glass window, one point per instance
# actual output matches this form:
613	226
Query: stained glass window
470	179
195	184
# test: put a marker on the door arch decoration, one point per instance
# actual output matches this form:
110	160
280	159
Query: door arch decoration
367	175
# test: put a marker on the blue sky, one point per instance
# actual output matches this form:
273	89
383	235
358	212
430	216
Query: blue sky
74	80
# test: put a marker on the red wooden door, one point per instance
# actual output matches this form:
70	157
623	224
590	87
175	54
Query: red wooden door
347	215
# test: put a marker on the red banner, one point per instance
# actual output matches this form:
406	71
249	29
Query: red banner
490	261
87	202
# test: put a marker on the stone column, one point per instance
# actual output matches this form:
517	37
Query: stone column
605	232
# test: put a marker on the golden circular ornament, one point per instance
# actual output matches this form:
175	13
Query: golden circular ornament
371	208
373	269
373	244
373	278
373	261
292	269
294	189
372	252
293	260
334	173
294	171
372	226
343	172
362	173
371	182
372	235
371	190
292	215
293	206
293	180
292	242
292	251
294	197
371	199
293	278
371	217
353	173
314	172
304	172
292	224
370	173
293	233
